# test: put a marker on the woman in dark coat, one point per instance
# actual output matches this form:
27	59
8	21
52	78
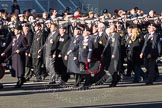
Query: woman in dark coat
85	55
72	56
135	46
18	46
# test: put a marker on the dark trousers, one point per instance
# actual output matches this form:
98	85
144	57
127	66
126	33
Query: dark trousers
61	69
78	79
88	80
37	63
151	67
138	72
29	72
129	68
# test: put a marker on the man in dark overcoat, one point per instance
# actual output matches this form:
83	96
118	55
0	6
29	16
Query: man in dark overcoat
28	34
150	52
59	51
72	55
111	54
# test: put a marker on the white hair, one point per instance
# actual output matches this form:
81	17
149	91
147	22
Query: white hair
101	25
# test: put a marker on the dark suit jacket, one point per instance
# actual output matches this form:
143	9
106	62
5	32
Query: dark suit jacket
112	48
48	44
99	44
37	44
61	45
152	46
29	38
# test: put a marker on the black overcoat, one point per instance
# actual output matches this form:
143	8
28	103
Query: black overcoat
73	65
18	59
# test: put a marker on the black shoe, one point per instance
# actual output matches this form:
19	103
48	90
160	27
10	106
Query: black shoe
83	87
113	84
156	77
44	76
76	85
61	84
135	81
52	82
23	80
1	86
27	78
18	84
149	83
128	75
115	79
38	80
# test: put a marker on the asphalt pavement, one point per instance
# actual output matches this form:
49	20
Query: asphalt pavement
37	95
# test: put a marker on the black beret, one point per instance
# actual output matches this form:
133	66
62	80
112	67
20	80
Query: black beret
26	25
38	24
152	24
77	28
18	27
88	29
105	11
62	27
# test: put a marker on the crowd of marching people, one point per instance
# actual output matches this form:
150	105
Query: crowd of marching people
87	46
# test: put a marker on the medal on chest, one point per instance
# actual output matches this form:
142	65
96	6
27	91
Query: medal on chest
130	42
51	41
100	42
85	43
84	46
13	42
37	39
61	39
113	39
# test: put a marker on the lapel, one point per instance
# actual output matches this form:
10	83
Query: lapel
154	39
